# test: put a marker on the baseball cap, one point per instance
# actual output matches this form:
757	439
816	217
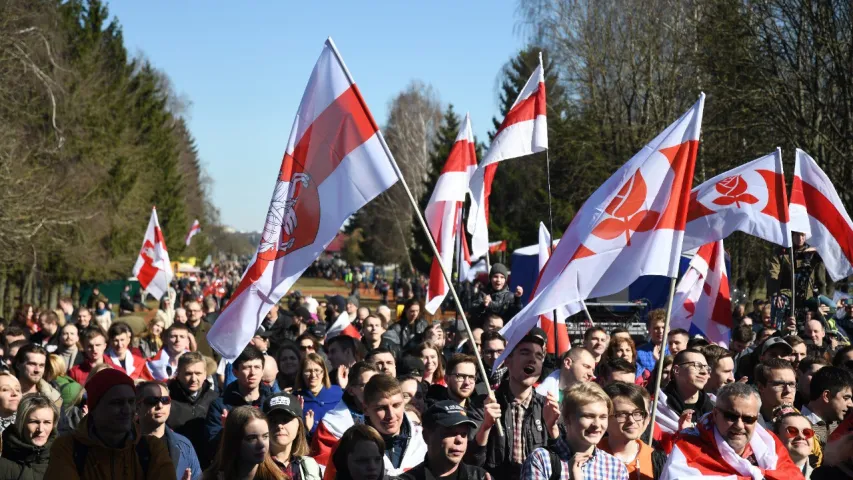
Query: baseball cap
535	335
337	301
774	342
283	402
447	413
263	333
411	366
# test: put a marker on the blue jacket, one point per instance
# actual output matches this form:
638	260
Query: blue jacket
182	454
229	400
326	400
646	358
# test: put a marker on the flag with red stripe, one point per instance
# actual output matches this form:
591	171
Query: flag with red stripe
750	198
342	326
633	225
817	211
194	229
523	131
702	302
560	342
153	269
441	213
334	163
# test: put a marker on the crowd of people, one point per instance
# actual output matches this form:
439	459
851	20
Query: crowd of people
83	394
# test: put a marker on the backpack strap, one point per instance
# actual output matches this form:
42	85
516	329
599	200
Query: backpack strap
143	452
79	452
556	466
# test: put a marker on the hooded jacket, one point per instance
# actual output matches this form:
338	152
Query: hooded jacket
103	462
22	460
188	415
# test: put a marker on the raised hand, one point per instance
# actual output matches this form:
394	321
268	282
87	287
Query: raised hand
343	376
309	420
519	291
487	300
492	411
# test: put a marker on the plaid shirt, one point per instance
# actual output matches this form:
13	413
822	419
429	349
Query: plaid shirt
518	409
601	466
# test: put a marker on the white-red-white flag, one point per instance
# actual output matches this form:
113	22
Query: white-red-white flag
633	225
523	131
702	302
817	211
560	342
153	268
333	165
343	326
750	198
441	213
194	229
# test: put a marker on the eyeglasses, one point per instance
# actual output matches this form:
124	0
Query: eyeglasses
734	417
461	377
316	373
782	385
493	353
152	401
636	415
794	431
306	347
701	367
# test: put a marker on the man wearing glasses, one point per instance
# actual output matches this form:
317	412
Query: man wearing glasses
777	386
199	329
461	378
729	442
684	393
492	347
153	406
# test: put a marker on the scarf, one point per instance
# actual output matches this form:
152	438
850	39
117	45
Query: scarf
129	368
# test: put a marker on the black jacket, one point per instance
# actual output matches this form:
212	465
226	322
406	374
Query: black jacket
229	400
188	416
384	343
498	449
674	400
22	460
474	407
407	335
465	472
504	303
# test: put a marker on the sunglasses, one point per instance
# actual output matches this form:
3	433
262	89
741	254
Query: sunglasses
734	417
153	401
794	431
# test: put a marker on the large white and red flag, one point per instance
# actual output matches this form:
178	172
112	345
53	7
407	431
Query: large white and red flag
194	230
153	269
702	303
443	210
817	211
333	165
560	342
343	326
633	225
750	198
524	131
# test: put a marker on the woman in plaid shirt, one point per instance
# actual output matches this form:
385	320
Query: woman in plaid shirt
585	413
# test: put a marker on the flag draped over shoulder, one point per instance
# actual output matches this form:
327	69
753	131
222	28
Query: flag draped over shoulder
444	207
817	211
523	131
153	269
750	198
632	225
334	163
702	302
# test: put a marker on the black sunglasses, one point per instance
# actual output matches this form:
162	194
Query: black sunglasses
153	401
734	417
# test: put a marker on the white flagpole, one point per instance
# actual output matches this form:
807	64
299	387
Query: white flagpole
659	366
424	225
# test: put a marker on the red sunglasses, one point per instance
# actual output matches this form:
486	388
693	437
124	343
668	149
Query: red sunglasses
794	431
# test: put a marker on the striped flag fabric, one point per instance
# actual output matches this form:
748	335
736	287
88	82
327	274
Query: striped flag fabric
153	269
335	162
524	131
194	230
817	211
443	208
560	342
702	302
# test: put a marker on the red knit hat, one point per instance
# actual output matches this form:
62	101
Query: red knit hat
99	384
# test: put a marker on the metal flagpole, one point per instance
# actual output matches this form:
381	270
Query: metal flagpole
551	240
659	366
421	220
793	277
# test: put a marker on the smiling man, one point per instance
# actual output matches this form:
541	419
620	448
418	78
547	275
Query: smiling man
446	431
385	409
830	400
595	340
745	448
586	410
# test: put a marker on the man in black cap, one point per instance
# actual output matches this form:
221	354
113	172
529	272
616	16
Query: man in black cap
446	430
301	317
496	297
335	305
411	366
529	420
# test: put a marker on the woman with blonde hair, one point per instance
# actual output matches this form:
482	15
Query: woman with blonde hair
316	389
433	366
244	453
150	341
56	373
10	398
26	444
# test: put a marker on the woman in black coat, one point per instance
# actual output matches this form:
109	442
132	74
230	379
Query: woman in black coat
26	444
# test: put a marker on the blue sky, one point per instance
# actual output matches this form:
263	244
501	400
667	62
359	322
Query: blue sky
244	66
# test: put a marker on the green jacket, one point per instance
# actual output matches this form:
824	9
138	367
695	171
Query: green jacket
68	390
